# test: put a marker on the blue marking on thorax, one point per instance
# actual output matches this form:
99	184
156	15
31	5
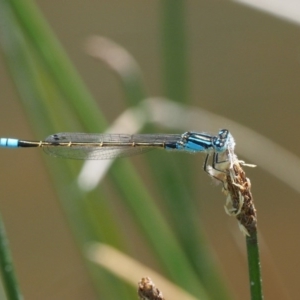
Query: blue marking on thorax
9	143
191	145
194	142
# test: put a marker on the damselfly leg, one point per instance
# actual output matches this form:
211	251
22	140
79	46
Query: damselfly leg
213	170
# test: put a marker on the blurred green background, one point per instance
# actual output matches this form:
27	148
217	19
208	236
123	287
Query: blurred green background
240	63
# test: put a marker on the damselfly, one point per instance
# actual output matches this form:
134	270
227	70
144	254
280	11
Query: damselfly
109	146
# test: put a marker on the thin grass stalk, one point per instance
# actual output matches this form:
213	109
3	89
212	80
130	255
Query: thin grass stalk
255	279
131	79
57	63
166	177
32	90
174	48
175	71
8	275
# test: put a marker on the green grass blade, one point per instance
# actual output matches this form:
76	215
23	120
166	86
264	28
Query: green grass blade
175	70
7	269
174	50
131	79
57	63
255	280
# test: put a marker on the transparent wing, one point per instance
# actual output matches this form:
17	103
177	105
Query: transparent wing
104	146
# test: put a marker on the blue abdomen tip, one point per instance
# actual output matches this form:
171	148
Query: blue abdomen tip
10	143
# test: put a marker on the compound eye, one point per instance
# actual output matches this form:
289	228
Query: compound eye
223	133
219	143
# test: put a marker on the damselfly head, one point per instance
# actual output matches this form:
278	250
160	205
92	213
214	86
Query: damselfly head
223	141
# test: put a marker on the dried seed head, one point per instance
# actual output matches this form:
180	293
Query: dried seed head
148	291
242	206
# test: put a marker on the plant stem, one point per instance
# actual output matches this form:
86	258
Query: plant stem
174	50
7	271
254	266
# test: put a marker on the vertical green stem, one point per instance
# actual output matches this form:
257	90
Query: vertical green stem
254	267
174	47
6	266
175	70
